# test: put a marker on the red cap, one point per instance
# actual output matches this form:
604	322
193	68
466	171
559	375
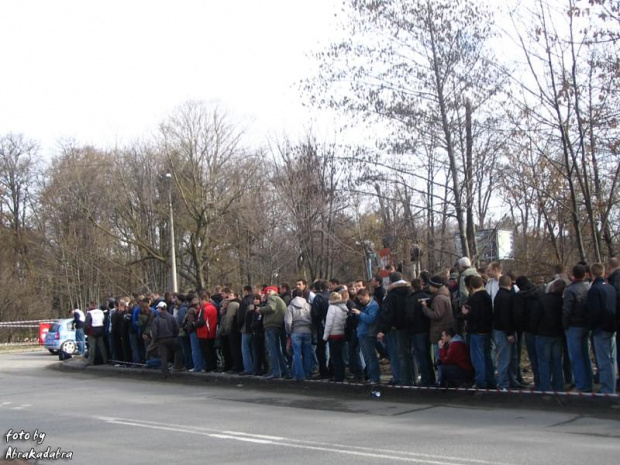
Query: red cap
271	288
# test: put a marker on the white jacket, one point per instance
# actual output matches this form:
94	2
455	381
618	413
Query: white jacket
336	320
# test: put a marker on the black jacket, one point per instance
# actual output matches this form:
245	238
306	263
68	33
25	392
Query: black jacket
480	316
523	304
502	312
575	306
417	321
614	280
393	308
257	322
243	323
602	306
546	318
319	308
379	295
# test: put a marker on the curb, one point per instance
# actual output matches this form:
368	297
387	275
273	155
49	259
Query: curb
563	401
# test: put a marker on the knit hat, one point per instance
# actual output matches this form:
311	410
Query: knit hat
436	281
523	283
464	262
335	297
396	276
271	288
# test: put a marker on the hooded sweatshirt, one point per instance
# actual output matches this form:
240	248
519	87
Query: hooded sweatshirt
164	326
298	318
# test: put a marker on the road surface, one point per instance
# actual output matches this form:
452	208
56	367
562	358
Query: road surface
102	420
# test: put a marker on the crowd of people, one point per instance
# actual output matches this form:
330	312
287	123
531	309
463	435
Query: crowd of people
465	328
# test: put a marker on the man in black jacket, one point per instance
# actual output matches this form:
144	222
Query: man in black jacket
419	326
319	307
478	314
524	303
393	322
164	332
245	327
546	322
504	336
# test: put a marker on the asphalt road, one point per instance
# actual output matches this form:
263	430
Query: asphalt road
104	420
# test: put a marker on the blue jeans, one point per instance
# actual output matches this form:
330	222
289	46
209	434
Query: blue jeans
80	339
186	349
577	340
422	352
506	360
135	342
605	350
302	355
437	359
391	345
480	350
246	353
408	372
278	362
199	362
550	372
530	345
367	344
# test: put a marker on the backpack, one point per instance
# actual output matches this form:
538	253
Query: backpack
62	355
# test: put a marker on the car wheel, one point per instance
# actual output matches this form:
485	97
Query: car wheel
69	347
53	352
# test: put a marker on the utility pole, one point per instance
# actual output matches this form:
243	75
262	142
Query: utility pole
173	258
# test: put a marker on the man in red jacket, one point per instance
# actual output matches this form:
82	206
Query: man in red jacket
206	330
455	359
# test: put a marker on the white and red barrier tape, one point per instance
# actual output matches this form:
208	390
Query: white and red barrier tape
490	391
25	324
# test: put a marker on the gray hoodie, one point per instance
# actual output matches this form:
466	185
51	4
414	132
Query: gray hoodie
297	318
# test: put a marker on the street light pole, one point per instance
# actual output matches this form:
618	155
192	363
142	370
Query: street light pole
173	258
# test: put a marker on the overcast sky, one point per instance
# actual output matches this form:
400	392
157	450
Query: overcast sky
107	71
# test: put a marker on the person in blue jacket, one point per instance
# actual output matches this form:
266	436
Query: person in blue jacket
367	333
